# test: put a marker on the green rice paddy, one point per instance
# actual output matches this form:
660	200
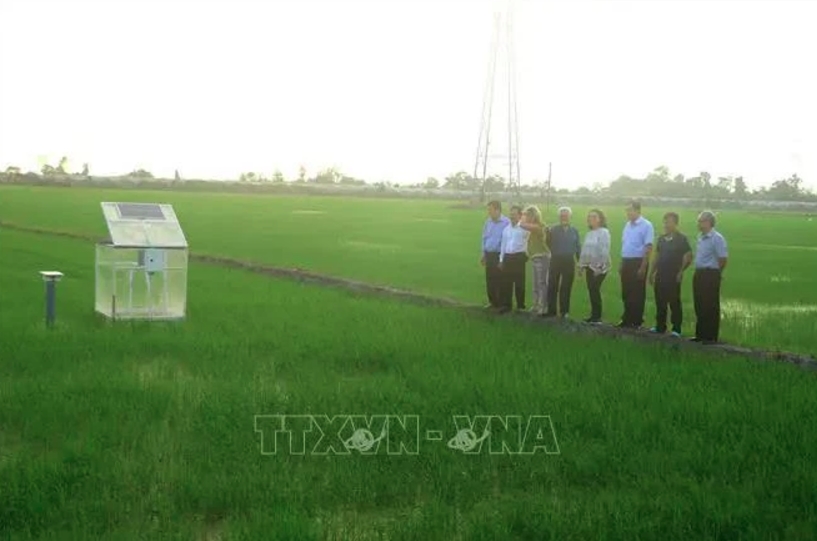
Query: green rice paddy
148	431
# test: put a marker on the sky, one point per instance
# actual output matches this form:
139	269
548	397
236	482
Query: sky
392	90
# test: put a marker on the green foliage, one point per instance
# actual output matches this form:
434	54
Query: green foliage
327	176
770	283
141	174
657	183
146	431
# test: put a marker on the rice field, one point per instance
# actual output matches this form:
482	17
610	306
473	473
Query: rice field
151	431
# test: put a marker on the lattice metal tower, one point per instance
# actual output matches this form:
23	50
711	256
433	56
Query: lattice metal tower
510	158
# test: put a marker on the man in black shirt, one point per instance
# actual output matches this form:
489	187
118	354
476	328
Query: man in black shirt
673	255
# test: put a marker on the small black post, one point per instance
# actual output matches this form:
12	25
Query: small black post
50	278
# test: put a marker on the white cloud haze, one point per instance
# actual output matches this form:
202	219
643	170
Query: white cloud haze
392	89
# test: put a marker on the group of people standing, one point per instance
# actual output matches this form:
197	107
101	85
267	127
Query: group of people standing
557	253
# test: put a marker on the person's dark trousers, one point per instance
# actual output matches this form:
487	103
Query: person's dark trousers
560	283
668	295
493	279
514	280
594	282
706	291
633	292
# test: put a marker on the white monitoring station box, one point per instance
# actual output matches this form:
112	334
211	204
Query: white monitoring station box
141	271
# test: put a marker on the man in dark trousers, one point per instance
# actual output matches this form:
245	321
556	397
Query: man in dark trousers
513	255
636	247
565	248
491	245
710	259
673	255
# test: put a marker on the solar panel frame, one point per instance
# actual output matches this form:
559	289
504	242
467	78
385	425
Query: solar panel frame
143	232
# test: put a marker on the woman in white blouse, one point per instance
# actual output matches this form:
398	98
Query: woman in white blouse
594	260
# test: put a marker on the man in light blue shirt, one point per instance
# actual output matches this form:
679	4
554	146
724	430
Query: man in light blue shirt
710	259
636	247
491	246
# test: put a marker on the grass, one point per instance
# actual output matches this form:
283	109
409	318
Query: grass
429	247
140	431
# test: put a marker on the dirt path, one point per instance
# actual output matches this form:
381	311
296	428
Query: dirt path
804	361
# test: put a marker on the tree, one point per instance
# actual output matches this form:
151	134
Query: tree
790	189
176	175
462	181
740	187
62	167
302	174
329	175
85	170
658	182
457	181
494	183
278	177
796	183
141	173
351	181
725	185
659	175
431	183
626	185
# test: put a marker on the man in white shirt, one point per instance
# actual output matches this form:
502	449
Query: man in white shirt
513	258
636	247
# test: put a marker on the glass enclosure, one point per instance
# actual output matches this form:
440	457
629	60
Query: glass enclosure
141	283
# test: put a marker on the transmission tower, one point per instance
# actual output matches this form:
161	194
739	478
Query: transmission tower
509	158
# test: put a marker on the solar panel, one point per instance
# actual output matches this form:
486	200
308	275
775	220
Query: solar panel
140	211
146	225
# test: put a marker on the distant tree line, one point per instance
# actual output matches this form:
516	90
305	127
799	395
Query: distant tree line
657	183
62	170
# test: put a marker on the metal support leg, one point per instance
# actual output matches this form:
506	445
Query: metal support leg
165	294
149	296
113	297
130	290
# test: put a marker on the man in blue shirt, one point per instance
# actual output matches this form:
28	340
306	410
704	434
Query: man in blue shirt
636	247
710	260
491	246
565	248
